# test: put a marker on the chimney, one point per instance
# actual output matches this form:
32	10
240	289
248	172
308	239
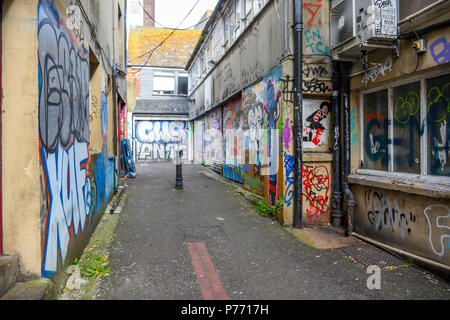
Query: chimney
149	6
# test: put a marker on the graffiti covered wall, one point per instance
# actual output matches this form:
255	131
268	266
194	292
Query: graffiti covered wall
233	141
74	185
253	127
212	139
259	145
198	140
418	223
158	140
400	148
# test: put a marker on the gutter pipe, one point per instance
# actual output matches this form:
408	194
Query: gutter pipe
346	66
298	110
336	198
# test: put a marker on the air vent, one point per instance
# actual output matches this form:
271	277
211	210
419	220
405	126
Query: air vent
342	22
362	25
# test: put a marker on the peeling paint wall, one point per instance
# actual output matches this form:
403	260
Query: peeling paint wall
21	203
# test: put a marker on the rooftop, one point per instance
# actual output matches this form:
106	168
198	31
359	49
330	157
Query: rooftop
175	52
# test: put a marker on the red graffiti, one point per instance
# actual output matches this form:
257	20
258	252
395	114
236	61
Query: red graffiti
375	115
308	7
316	139
316	185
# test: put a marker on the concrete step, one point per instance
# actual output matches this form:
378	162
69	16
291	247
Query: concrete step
38	289
9	270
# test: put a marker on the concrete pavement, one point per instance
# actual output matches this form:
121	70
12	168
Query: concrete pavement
252	257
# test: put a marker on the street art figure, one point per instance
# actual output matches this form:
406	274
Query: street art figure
272	110
314	127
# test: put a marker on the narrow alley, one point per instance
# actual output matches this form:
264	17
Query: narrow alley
255	258
224	150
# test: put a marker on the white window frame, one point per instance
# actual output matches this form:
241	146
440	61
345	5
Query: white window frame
247	9
423	176
231	13
238	20
226	27
164	74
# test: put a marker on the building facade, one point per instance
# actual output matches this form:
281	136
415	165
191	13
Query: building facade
61	119
375	134
400	135
158	87
242	91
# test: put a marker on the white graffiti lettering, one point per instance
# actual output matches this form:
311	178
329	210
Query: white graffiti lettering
439	231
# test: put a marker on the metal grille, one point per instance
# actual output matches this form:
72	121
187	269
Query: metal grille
368	255
212	139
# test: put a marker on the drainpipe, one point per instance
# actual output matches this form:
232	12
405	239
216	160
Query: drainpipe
336	198
298	110
346	67
1	129
114	88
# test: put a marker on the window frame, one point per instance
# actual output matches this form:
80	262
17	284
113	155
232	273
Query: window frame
424	148
170	75
178	76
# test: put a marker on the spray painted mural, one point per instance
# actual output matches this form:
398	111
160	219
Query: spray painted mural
159	140
252	137
233	141
70	182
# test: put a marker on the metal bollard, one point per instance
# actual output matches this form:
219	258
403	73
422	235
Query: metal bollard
179	171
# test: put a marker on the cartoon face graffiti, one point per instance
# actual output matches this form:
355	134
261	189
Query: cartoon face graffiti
272	109
314	127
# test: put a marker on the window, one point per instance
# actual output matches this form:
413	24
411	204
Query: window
238	29
248	6
438	113
257	5
182	85
406	127
202	62
163	83
226	27
232	20
376	124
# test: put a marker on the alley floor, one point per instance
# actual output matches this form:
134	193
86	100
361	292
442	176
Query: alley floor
207	242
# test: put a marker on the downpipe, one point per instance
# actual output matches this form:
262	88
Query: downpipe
115	103
336	198
351	203
298	110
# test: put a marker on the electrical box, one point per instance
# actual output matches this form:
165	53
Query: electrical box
362	25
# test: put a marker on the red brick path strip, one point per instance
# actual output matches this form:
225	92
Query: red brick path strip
208	280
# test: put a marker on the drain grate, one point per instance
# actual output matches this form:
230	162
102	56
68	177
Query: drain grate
202	233
369	255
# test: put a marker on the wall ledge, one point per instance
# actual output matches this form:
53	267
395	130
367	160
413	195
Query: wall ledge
427	189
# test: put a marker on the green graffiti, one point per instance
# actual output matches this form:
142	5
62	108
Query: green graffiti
406	107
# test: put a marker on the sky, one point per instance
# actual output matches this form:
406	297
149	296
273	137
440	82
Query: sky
171	12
